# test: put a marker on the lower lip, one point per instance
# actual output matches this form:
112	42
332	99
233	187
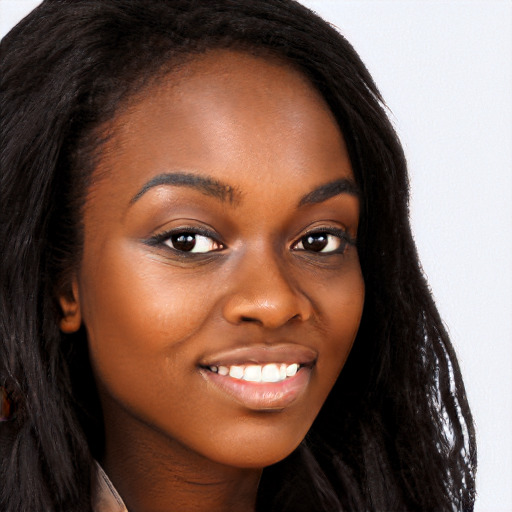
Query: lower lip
262	396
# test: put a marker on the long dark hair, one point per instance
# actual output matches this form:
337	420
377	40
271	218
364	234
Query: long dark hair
396	432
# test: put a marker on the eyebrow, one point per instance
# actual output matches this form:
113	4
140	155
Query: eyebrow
227	193
204	184
331	189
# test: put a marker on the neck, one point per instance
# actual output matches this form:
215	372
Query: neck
153	473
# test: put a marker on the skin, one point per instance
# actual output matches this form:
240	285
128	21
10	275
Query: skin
153	314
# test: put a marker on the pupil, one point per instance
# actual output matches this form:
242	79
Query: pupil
315	242
183	242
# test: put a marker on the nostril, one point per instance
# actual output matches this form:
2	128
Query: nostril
250	319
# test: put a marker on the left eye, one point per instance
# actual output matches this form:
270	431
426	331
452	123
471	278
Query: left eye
321	242
192	242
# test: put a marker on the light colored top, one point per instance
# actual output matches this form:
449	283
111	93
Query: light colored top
105	498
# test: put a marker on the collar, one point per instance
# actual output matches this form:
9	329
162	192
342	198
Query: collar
105	498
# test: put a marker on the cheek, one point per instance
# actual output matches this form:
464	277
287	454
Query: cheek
344	307
340	303
130	291
136	314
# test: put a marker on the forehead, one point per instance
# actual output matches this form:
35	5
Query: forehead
230	115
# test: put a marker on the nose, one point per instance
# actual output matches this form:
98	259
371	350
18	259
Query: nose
263	293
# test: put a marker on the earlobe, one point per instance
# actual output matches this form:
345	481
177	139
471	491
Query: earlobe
71	314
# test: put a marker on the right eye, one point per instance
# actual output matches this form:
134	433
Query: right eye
191	242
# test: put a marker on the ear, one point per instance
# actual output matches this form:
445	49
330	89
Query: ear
70	305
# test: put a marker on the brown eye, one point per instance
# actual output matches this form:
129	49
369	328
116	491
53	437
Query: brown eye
317	242
192	242
321	242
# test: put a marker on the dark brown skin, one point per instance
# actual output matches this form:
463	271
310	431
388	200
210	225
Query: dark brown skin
155	315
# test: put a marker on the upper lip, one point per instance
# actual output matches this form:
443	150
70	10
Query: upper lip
262	354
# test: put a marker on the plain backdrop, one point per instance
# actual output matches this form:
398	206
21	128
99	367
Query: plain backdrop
445	71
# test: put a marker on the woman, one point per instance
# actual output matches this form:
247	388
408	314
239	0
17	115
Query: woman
204	213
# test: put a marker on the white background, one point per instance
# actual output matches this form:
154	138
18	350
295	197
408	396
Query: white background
445	70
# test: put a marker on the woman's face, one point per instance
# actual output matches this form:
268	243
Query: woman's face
220	284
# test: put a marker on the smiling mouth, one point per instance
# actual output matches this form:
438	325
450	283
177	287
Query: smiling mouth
261	377
261	395
267	373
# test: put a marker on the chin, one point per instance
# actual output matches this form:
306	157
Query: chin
256	451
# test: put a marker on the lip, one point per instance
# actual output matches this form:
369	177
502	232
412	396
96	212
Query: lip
261	396
260	354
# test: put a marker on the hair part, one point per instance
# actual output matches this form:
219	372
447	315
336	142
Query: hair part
395	433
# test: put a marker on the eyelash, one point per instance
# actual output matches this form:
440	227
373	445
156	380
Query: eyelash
161	239
344	239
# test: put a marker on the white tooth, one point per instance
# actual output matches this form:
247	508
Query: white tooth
291	369
214	369
252	373
282	372
223	370
270	373
237	372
